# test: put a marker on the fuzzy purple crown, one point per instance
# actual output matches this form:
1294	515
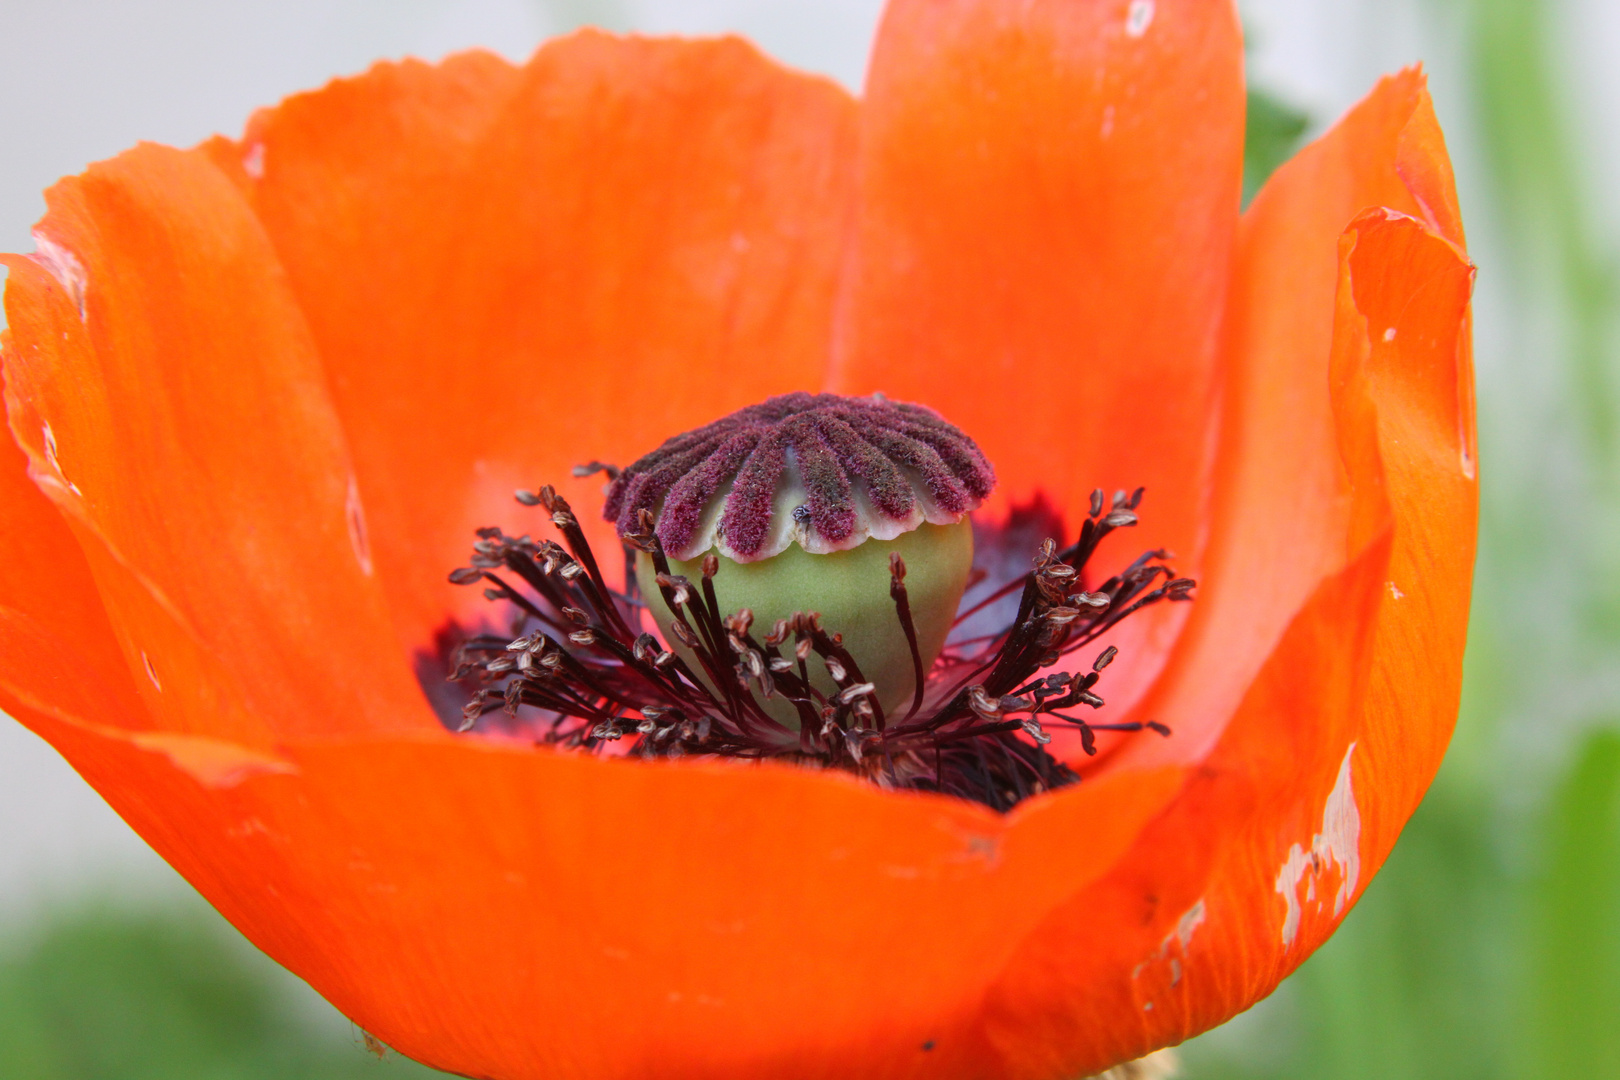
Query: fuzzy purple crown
822	470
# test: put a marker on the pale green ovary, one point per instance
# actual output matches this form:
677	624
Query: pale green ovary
851	591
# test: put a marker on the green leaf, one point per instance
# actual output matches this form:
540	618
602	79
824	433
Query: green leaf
109	994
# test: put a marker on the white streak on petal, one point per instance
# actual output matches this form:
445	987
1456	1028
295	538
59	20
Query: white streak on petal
1288	887
253	160
1341	834
1190	921
1175	944
1338	844
62	265
1138	18
359	539
53	459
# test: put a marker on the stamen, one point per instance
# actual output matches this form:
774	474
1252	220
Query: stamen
902	608
577	671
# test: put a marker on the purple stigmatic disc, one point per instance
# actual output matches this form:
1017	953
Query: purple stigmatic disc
822	470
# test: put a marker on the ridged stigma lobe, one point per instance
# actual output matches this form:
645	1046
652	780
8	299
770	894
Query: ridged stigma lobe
824	471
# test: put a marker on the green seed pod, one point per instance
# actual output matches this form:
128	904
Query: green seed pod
850	591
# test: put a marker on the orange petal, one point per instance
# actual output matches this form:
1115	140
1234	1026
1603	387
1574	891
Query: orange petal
1203	916
165	391
509	272
1049	202
58	653
1334	741
1283	500
504	912
1018	263
1412	287
62	665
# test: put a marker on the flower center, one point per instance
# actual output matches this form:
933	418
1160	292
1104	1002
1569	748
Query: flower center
804	562
805	499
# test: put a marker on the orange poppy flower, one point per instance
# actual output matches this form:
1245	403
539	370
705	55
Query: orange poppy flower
263	390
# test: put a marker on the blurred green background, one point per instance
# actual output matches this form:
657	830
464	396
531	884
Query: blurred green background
1488	947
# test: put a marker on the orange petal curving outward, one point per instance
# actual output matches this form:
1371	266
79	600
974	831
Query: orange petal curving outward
265	389
1281	513
164	386
58	653
1362	340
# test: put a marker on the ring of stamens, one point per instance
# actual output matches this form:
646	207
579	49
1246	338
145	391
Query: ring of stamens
583	675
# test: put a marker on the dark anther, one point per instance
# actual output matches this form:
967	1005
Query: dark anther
581	670
591	468
1119	518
